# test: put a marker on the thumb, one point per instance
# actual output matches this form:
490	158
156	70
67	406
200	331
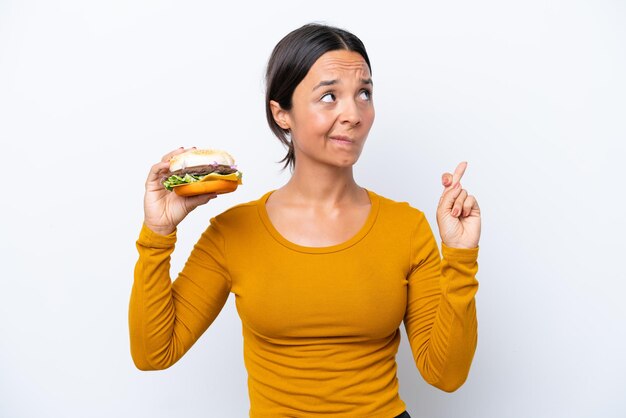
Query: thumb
449	197
199	200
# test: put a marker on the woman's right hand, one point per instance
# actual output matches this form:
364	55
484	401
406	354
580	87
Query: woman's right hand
164	210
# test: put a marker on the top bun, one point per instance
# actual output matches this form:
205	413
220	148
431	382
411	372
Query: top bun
197	157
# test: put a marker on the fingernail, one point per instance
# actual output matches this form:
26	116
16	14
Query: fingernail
455	212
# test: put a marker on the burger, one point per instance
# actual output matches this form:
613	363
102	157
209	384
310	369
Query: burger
200	171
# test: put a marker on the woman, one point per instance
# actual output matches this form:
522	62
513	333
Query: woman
324	271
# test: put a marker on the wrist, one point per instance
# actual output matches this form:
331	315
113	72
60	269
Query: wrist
160	230
461	246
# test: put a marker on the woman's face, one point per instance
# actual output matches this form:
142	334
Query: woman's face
332	110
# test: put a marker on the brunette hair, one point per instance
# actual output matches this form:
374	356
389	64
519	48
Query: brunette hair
291	60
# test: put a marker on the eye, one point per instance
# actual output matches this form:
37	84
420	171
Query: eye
328	98
365	94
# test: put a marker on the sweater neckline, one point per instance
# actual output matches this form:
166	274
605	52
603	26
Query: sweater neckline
367	226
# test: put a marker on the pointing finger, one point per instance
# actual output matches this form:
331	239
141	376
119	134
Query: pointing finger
446	202
457	208
446	179
458	173
157	171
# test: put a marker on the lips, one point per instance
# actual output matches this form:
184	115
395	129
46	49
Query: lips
342	139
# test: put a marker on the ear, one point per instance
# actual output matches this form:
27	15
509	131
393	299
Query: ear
281	116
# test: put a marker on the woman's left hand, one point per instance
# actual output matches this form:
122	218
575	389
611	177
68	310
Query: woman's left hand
458	214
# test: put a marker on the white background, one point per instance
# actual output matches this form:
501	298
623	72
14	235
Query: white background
531	94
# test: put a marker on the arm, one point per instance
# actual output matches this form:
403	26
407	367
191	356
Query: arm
440	320
165	318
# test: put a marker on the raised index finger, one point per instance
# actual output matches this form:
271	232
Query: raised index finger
458	173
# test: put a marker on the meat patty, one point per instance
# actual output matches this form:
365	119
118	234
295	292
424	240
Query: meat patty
204	169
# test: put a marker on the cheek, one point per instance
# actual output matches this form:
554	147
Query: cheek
316	122
370	114
323	121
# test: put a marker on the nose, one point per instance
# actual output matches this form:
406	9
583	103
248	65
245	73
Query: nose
350	113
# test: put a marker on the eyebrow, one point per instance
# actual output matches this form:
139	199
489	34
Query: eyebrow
324	83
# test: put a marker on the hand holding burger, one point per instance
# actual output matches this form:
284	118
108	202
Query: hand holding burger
164	210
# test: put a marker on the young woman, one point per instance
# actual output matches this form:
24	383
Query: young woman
323	270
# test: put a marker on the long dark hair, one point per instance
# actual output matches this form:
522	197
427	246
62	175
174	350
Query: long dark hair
290	62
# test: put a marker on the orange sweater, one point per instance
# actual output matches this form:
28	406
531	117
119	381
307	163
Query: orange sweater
320	325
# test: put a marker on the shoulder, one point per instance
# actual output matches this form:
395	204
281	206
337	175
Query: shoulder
239	216
400	222
407	222
397	209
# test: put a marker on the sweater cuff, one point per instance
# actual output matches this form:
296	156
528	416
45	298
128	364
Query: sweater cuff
149	238
465	254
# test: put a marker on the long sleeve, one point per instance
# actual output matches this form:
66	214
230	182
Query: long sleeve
441	319
165	318
314	314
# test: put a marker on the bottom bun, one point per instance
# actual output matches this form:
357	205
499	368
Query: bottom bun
204	187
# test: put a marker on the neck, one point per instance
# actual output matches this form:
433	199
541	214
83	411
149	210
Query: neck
323	185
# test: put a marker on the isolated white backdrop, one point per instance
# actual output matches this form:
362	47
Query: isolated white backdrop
531	94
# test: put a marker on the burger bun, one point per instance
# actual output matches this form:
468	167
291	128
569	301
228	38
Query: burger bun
196	157
204	187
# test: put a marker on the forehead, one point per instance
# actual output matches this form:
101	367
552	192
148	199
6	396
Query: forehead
339	63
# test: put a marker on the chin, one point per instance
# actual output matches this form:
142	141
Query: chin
340	159
345	163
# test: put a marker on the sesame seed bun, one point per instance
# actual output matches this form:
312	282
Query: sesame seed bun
196	157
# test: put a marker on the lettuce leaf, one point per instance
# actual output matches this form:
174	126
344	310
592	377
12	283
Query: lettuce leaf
175	180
